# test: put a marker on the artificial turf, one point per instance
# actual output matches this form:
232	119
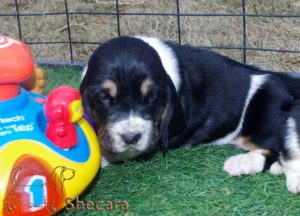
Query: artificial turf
188	181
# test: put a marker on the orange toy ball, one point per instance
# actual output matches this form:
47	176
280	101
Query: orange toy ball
16	65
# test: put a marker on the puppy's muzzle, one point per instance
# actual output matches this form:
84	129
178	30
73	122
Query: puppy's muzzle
131	138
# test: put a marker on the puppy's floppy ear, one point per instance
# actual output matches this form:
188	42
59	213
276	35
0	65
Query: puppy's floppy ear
84	91
173	119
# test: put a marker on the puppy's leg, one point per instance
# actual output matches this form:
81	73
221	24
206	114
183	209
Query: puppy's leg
290	158
291	169
248	163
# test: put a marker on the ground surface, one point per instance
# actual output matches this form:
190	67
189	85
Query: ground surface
262	32
189	181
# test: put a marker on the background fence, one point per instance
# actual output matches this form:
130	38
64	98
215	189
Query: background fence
67	31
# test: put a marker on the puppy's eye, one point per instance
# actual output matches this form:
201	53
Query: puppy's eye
105	97
149	98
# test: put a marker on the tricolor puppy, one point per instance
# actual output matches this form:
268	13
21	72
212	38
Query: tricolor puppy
144	94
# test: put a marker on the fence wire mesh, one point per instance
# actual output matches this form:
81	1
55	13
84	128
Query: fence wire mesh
59	33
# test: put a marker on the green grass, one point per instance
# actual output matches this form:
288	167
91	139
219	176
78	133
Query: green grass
188	181
61	76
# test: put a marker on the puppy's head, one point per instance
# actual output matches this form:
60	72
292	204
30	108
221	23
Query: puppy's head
130	97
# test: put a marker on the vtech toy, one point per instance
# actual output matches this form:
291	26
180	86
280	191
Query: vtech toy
48	151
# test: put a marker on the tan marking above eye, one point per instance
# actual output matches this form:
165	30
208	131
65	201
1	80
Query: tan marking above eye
111	87
146	86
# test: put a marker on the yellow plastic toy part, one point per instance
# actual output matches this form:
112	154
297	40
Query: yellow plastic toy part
62	178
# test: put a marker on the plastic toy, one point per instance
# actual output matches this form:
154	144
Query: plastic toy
37	176
36	83
63	108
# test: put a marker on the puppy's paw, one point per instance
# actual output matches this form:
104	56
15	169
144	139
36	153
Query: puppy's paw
104	162
244	164
276	169
293	181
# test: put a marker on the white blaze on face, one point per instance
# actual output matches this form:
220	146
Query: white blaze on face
167	57
132	124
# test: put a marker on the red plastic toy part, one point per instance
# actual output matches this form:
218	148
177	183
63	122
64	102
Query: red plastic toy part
16	65
63	108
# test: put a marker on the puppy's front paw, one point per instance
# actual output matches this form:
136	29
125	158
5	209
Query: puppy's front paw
293	181
244	164
104	162
276	168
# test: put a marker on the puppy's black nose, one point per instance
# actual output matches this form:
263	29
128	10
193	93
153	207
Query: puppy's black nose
131	138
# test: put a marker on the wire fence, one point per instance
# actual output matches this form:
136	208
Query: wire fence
118	14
